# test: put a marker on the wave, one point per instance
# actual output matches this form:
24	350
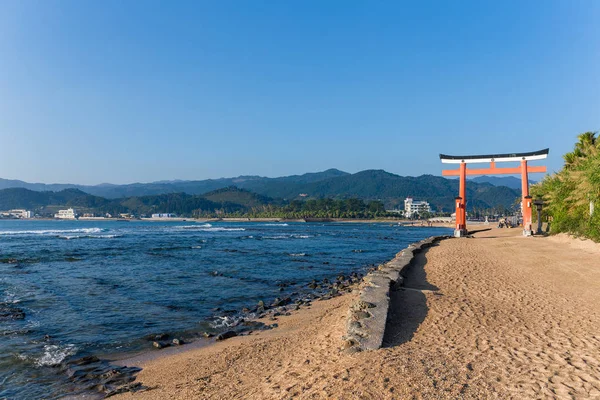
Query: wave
70	237
293	236
53	355
301	236
220	322
284	224
297	254
52	231
192	227
209	228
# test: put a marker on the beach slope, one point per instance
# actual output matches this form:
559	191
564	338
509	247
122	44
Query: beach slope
494	316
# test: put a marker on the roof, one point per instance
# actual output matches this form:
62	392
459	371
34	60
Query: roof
533	155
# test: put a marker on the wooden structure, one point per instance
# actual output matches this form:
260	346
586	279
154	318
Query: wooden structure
524	170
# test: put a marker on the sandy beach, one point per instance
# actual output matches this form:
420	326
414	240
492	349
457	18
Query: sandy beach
494	316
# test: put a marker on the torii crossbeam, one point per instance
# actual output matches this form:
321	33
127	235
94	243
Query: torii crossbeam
523	169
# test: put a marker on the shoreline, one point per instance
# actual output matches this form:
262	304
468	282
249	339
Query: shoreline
403	222
352	291
449	325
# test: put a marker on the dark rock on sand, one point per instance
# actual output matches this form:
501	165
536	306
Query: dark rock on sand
281	302
226	335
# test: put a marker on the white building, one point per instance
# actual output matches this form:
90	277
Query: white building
412	207
24	214
66	214
165	215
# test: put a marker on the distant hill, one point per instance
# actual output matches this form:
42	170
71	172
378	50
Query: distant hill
247	191
256	184
46	203
508	181
234	195
25	198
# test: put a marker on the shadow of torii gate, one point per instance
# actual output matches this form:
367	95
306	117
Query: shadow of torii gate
461	201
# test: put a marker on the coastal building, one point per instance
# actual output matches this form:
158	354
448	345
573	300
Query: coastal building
17	213
412	207
66	214
166	215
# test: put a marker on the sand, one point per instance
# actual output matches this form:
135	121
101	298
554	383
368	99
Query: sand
495	316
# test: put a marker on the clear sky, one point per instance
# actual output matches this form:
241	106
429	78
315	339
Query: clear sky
125	91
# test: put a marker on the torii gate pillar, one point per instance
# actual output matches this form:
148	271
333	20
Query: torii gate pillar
525	200
461	201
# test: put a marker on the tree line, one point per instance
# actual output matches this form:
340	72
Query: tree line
572	195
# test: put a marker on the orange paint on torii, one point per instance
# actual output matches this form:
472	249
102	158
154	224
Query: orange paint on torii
524	170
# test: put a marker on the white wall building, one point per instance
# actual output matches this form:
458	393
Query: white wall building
412	207
19	213
66	214
165	215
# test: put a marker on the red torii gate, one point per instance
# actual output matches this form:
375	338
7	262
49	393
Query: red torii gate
462	172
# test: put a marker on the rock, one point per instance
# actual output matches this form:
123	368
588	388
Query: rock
352	350
349	343
159	337
159	345
207	334
85	360
9	312
261	306
360	315
177	342
273	326
281	302
226	335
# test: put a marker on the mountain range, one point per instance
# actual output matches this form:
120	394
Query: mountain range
389	188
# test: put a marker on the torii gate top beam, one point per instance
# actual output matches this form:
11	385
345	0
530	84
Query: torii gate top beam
534	155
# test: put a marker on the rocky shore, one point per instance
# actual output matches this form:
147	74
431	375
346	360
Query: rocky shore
107	378
494	316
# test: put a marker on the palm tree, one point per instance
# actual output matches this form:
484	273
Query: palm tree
587	146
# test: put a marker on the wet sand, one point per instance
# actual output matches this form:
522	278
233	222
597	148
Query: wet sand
495	316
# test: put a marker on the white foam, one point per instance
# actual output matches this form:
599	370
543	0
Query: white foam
224	322
297	254
293	236
209	228
284	224
198	226
54	354
51	231
70	237
224	229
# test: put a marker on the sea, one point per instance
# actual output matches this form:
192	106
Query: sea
71	289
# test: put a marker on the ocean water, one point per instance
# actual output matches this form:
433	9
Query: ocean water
70	289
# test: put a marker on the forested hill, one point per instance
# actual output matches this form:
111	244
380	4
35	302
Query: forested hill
228	200
372	185
272	187
332	183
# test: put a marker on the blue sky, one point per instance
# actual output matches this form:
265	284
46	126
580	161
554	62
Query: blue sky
125	91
